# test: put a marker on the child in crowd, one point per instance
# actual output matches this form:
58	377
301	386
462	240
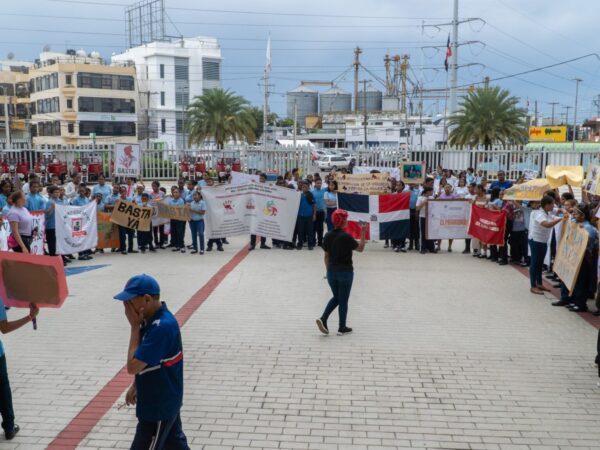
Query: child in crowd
145	237
198	207
177	226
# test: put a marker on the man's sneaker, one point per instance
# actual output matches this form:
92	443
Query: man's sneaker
343	331
322	326
11	434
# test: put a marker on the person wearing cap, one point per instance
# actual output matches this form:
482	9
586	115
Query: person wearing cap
338	246
155	357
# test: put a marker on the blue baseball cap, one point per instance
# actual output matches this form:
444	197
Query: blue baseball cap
138	285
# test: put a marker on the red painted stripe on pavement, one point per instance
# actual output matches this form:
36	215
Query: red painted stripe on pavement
587	316
81	425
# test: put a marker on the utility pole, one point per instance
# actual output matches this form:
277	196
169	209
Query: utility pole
404	75
454	62
365	117
567	108
597	105
295	122
553	104
357	52
577	81
148	94
265	109
535	114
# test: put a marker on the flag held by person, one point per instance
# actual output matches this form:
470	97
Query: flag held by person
387	215
487	225
76	228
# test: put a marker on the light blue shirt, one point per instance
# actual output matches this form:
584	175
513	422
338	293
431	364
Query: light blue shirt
50	215
178	202
36	202
111	199
331	196
137	199
80	201
198	206
105	190
593	239
189	196
319	195
3	201
414	196
2	317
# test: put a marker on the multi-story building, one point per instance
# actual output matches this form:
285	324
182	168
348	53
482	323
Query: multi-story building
170	74
78	100
14	99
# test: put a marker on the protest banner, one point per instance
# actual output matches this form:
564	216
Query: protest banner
393	171
27	278
364	183
127	160
558	176
130	215
531	190
4	233
487	225
76	228
253	208
108	232
447	219
592	180
37	239
167	211
412	172
243	178
569	254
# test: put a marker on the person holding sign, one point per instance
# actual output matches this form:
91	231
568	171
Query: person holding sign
177	226
125	234
541	224
338	246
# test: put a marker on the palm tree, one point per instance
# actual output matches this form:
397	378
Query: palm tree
488	116
221	115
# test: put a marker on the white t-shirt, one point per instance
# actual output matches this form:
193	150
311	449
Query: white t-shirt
537	232
421	201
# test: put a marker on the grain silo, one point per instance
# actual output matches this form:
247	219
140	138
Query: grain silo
373	99
306	101
335	99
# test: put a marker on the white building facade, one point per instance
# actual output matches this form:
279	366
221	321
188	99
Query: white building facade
169	75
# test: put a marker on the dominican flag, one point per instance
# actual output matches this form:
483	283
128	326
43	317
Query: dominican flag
388	215
448	53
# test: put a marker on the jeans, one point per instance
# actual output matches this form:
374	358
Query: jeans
305	231
197	227
318	226
160	238
328	218
163	435
51	241
341	285
518	245
6	405
414	229
125	238
538	253
177	233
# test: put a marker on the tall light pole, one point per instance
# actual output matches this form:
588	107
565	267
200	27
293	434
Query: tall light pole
553	104
577	81
454	61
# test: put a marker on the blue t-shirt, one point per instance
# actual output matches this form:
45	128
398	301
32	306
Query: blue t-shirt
306	207
50	214
2	317
189	196
414	196
111	199
593	236
319	195
105	190
160	384
198	206
330	196
504	185
3	201
80	201
36	202
178	202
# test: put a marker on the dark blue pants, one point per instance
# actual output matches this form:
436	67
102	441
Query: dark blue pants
163	435
538	253
125	238
177	233
318	226
341	285
305	231
328	219
197	227
6	405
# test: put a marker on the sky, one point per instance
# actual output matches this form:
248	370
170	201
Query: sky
314	40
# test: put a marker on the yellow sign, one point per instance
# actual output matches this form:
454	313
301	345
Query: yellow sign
532	190
547	134
558	176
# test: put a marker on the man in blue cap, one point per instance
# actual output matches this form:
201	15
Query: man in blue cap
155	357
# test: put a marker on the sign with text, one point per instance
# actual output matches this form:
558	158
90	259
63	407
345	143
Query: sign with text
487	225
393	171
76	228
167	211
531	190
570	253
127	160
39	225
243	178
253	208
108	232
448	219
130	215
364	183
547	134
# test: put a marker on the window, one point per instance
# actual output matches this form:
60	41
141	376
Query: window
48	128
162	70
182	71
68	79
106	105
162	98
163	125
105	81
71	127
378	123
69	103
106	128
211	69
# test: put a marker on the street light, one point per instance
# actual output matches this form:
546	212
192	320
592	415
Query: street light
577	81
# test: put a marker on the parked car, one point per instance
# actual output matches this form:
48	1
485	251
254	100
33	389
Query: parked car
318	154
330	161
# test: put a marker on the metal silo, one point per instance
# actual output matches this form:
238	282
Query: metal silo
373	97
335	100
306	101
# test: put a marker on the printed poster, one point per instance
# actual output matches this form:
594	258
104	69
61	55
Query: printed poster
365	183
37	241
76	228
448	219
393	171
127	160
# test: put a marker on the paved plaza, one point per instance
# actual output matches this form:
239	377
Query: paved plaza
448	352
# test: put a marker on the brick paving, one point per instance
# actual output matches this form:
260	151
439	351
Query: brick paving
448	352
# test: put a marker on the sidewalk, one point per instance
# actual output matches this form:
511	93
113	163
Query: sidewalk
448	352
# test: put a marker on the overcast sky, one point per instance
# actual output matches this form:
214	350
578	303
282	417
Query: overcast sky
518	36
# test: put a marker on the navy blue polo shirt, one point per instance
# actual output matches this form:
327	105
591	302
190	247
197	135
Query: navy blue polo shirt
160	384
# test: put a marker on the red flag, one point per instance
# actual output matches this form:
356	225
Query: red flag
448	53
487	225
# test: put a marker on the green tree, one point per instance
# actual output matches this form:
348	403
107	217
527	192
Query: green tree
221	115
488	116
258	116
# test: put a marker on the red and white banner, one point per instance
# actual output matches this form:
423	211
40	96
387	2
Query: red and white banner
487	225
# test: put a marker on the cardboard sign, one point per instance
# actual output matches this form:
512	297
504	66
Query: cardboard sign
130	215
364	183
412	172
558	176
17	270
127	160
569	254
108	232
592	181
393	171
487	225
447	219
167	211
531	190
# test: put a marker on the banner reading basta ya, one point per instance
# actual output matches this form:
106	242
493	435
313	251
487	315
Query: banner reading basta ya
76	228
487	225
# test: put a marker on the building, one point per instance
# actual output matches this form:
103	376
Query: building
14	98
170	74
76	99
